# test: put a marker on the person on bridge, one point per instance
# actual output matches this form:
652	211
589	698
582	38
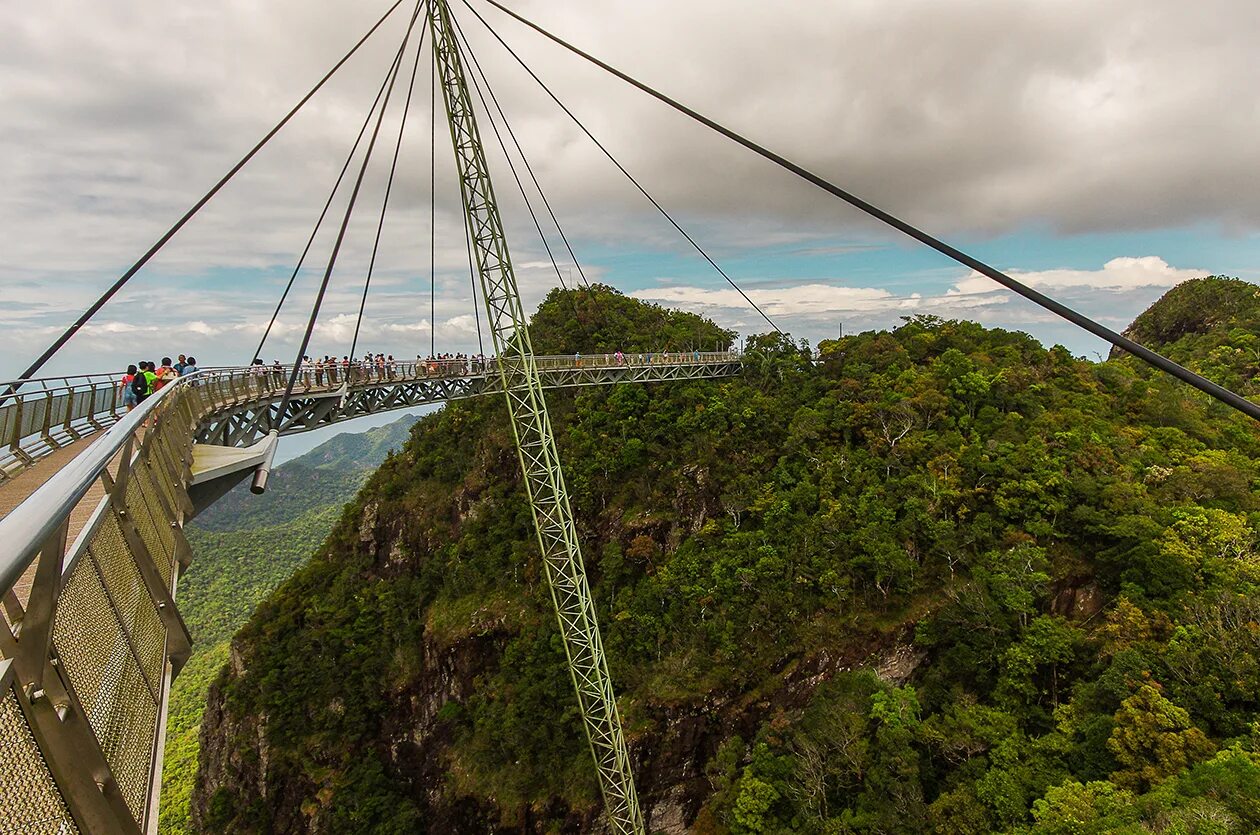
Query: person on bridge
150	381
129	397
190	366
180	364
165	374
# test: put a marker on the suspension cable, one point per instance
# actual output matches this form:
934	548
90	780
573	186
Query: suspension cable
1224	395
465	49
433	210
621	167
179	224
389	186
367	120
521	151
345	221
472	280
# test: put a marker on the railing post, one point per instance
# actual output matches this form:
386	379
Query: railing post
46	429
15	443
65	427
35	635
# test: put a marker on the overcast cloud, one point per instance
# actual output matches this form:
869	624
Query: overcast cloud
973	118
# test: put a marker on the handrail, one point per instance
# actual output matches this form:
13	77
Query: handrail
89	379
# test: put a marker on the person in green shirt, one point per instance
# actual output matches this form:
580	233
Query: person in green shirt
150	377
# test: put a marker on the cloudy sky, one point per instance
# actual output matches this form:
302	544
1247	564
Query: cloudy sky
1100	151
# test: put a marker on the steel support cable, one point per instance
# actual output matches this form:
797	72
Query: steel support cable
599	307
521	151
619	166
367	121
520	185
433	214
345	221
179	224
1224	395
389	186
472	280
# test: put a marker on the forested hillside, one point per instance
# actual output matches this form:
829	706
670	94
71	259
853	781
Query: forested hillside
945	580
243	547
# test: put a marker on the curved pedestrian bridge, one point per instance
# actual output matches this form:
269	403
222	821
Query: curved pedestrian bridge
95	499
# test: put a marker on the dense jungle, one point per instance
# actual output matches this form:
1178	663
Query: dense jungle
938	578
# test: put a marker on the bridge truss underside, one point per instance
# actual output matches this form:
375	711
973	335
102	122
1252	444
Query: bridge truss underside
323	403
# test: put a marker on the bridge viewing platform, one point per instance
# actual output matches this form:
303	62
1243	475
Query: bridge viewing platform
94	499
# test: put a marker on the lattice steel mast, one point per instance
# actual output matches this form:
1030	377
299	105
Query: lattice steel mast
535	444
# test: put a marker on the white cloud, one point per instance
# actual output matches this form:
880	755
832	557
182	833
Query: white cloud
966	116
784	301
1124	273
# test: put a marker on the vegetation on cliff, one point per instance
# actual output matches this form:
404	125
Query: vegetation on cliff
243	547
944	580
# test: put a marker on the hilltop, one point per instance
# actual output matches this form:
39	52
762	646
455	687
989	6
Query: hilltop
1210	325
946	580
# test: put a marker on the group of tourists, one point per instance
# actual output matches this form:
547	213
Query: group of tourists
451	365
649	357
329	370
145	379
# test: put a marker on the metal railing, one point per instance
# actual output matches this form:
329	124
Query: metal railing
45	414
91	636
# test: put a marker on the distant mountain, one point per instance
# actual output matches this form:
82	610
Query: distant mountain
243	547
327	475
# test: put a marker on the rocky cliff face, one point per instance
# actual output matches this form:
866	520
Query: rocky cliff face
235	760
415	735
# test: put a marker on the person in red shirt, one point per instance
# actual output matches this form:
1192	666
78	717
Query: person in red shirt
129	398
165	374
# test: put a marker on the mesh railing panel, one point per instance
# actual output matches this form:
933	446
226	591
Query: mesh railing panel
103	398
166	466
134	610
34	410
84	404
151	523
29	800
8	422
115	693
60	409
85	632
128	734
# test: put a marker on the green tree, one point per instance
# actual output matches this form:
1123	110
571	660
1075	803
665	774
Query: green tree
1153	739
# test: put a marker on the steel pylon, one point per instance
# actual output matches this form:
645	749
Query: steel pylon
535	444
